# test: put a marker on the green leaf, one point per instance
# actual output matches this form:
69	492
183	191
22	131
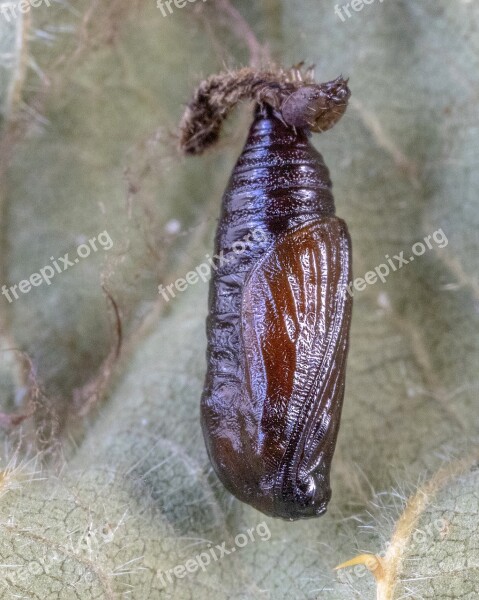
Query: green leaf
105	486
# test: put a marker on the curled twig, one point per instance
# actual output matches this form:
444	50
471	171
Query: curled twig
85	397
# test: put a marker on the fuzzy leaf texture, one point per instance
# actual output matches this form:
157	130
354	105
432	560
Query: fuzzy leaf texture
104	479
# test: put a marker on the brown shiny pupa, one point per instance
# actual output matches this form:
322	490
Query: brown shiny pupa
279	314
